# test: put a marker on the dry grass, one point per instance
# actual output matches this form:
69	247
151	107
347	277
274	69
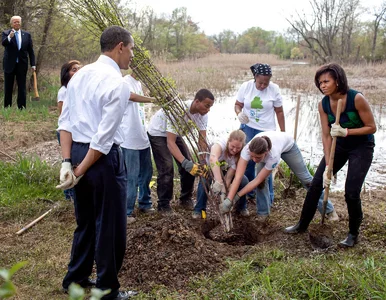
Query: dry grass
218	72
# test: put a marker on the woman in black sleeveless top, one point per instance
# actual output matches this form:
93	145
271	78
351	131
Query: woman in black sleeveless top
355	144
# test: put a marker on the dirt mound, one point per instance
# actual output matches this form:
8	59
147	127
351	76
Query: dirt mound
173	249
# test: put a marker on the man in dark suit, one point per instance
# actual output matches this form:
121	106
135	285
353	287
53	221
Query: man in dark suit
18	46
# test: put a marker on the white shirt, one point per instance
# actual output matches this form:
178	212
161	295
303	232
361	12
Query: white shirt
259	105
19	37
281	142
160	124
97	97
133	122
230	161
62	94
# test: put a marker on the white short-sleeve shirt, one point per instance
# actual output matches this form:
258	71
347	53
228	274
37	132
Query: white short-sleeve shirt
259	105
160	124
281	142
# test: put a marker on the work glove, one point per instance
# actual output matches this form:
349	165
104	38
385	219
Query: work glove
218	188
67	177
225	206
326	180
192	168
337	130
243	118
205	171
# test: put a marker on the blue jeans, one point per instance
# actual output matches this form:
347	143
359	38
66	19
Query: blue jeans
139	173
295	162
202	198
250	171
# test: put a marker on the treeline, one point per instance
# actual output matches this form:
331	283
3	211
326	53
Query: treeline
332	31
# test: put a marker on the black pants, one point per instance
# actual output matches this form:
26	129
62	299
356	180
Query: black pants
100	211
164	163
20	72
359	160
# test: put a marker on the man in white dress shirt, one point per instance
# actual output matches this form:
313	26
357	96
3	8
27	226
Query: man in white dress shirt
90	136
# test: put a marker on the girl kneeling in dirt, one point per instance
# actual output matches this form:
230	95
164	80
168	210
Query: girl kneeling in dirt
266	149
354	143
224	155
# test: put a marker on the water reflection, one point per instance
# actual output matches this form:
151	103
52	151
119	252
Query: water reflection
222	120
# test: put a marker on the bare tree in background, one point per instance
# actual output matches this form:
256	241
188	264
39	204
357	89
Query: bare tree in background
320	31
379	14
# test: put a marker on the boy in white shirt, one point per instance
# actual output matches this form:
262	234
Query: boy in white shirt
166	144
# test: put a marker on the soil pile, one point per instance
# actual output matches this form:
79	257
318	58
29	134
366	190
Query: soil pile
173	249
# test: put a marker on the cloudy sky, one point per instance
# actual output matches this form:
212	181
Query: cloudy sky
214	16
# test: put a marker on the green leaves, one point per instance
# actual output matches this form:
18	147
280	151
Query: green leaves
8	289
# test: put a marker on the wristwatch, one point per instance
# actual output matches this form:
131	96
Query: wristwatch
66	160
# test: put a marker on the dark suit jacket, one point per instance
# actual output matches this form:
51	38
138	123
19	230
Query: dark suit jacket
11	52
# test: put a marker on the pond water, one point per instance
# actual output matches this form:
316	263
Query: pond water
222	120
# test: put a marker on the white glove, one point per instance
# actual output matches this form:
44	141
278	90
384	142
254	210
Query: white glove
337	130
67	177
218	187
326	180
243	118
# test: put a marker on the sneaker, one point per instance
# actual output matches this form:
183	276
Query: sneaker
148	211
332	216
196	215
244	212
130	220
124	295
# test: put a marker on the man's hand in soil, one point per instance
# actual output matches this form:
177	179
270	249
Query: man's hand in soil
192	168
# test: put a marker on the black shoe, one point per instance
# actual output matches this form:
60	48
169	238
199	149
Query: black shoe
350	241
89	282
295	229
124	295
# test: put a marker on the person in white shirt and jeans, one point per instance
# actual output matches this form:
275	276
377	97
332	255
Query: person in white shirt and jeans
136	151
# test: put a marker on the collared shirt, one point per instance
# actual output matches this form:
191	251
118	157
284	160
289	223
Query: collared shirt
160	124
97	97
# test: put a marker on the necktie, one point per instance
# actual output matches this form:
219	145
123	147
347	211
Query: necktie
17	40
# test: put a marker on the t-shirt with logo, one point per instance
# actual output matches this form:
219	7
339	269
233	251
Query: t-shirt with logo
259	105
281	142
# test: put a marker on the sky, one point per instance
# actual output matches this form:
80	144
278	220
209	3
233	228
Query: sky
214	16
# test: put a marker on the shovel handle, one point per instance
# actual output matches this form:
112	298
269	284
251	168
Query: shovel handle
35	85
331	161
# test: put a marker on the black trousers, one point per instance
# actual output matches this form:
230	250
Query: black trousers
20	72
359	160
164	163
100	211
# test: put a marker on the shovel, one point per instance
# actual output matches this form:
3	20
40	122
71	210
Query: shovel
36	93
320	236
287	189
331	162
